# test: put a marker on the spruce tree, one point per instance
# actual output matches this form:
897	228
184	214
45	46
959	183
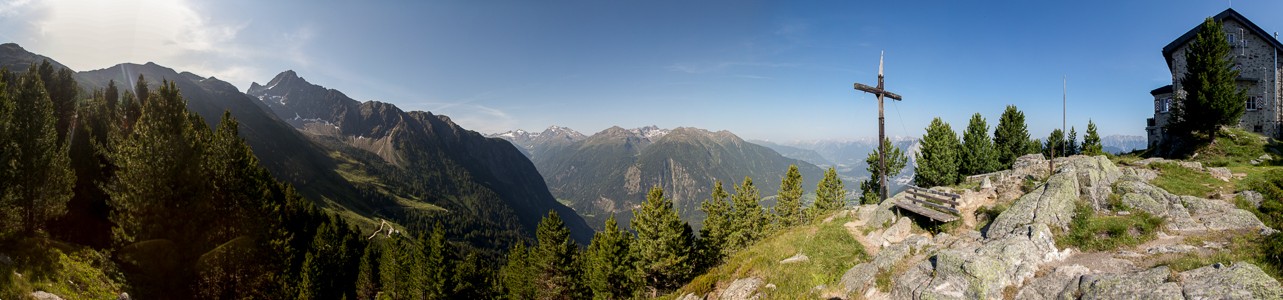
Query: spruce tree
748	219
1055	142
62	90
1011	137
717	226
556	275
1211	97
41	177
896	160
788	207
112	97
1091	142
938	158
609	267
830	194
978	155
664	245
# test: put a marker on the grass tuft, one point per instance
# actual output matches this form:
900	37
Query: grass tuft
1091	232
831	249
1180	180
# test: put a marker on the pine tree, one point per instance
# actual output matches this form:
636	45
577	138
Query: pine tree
664	244
788	207
938	158
609	267
367	278
62	90
978	155
1091	142
1034	147
439	267
830	194
156	173
1055	142
112	96
748	219
553	261
717	226
1071	144
8	150
1011	137
517	276
41	179
1211	97
896	160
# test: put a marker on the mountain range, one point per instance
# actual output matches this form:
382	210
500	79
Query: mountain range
365	161
611	171
1118	144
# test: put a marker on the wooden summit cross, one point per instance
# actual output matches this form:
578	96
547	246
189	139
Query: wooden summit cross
881	92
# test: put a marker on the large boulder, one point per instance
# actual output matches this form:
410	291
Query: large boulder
1051	204
1188	214
742	289
1240	281
984	270
1156	283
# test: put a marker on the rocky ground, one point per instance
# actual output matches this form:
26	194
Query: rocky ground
1015	256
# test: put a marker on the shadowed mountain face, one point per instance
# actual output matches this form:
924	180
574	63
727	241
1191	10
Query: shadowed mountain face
419	157
611	171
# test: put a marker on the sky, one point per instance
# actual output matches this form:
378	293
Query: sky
770	70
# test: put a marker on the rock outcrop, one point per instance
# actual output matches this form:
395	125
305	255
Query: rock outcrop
1017	252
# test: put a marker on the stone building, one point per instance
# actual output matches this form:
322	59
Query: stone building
1255	54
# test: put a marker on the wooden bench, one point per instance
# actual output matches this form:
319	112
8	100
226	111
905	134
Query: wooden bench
939	206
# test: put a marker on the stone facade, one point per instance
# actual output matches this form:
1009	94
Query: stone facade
1255	54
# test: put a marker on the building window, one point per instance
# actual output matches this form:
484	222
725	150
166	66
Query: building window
1254	103
1163	105
1233	39
1256	128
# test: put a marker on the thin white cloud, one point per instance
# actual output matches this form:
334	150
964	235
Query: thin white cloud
88	35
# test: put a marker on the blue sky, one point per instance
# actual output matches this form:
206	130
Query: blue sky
780	71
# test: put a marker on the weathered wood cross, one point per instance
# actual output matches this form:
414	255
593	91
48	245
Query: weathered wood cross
881	92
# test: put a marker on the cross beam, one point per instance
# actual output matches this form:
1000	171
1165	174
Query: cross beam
881	92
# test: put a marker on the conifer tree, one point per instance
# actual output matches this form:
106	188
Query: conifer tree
938	158
748	219
156	172
609	267
664	244
1091	142
830	194
896	160
1212	97
437	275
41	178
62	90
367	278
517	276
8	150
1034	147
553	261
788	207
717	226
978	155
1055	142
1011	137
1072	143
112	97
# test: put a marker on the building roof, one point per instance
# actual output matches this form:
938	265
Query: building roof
1229	13
1166	89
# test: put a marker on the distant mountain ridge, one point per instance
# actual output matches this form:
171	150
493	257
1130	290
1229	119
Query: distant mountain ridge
422	156
610	171
1117	143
